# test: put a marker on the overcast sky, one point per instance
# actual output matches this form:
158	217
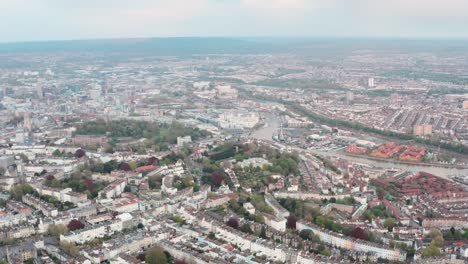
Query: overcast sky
27	20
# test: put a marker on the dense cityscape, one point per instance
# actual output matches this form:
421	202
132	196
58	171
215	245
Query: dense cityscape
234	156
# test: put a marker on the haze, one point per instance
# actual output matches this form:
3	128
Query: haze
32	20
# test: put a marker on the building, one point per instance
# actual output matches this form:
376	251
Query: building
112	190
183	140
46	208
89	140
249	208
277	223
370	83
465	104
201	85
63	195
225	92
444	223
422	130
238	120
349	243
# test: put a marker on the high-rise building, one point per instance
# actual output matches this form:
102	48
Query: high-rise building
370	83
39	88
27	123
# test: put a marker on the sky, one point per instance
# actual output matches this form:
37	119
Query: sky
38	20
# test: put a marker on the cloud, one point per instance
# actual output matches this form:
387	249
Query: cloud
418	8
274	4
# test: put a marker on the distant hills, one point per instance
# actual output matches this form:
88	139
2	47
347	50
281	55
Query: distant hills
220	45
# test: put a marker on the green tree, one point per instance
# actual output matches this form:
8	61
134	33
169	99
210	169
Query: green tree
156	256
431	251
390	223
18	191
326	252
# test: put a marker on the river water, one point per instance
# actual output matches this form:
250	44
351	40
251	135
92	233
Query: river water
272	124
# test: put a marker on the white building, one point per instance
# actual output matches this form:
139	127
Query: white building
274	222
238	120
249	207
183	140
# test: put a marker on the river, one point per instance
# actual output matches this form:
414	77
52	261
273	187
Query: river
272	124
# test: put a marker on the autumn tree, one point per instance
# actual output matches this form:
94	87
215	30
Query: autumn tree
291	222
153	161
79	153
217	178
358	233
70	248
125	167
75	224
57	230
233	222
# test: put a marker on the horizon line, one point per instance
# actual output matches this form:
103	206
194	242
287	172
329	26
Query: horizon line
403	38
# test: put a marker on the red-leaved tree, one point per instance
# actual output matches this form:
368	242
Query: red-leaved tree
233	222
50	177
125	167
79	153
217	178
153	161
358	233
75	224
291	222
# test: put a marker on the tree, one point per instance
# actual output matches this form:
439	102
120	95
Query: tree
57	230
389	223
263	232
70	248
358	233
109	149
156	256
434	233
79	153
259	218
308	234
217	178
153	161
246	228
326	252
233	222
75	224
431	251
19	190
438	241
57	153
125	167
291	222
452	230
